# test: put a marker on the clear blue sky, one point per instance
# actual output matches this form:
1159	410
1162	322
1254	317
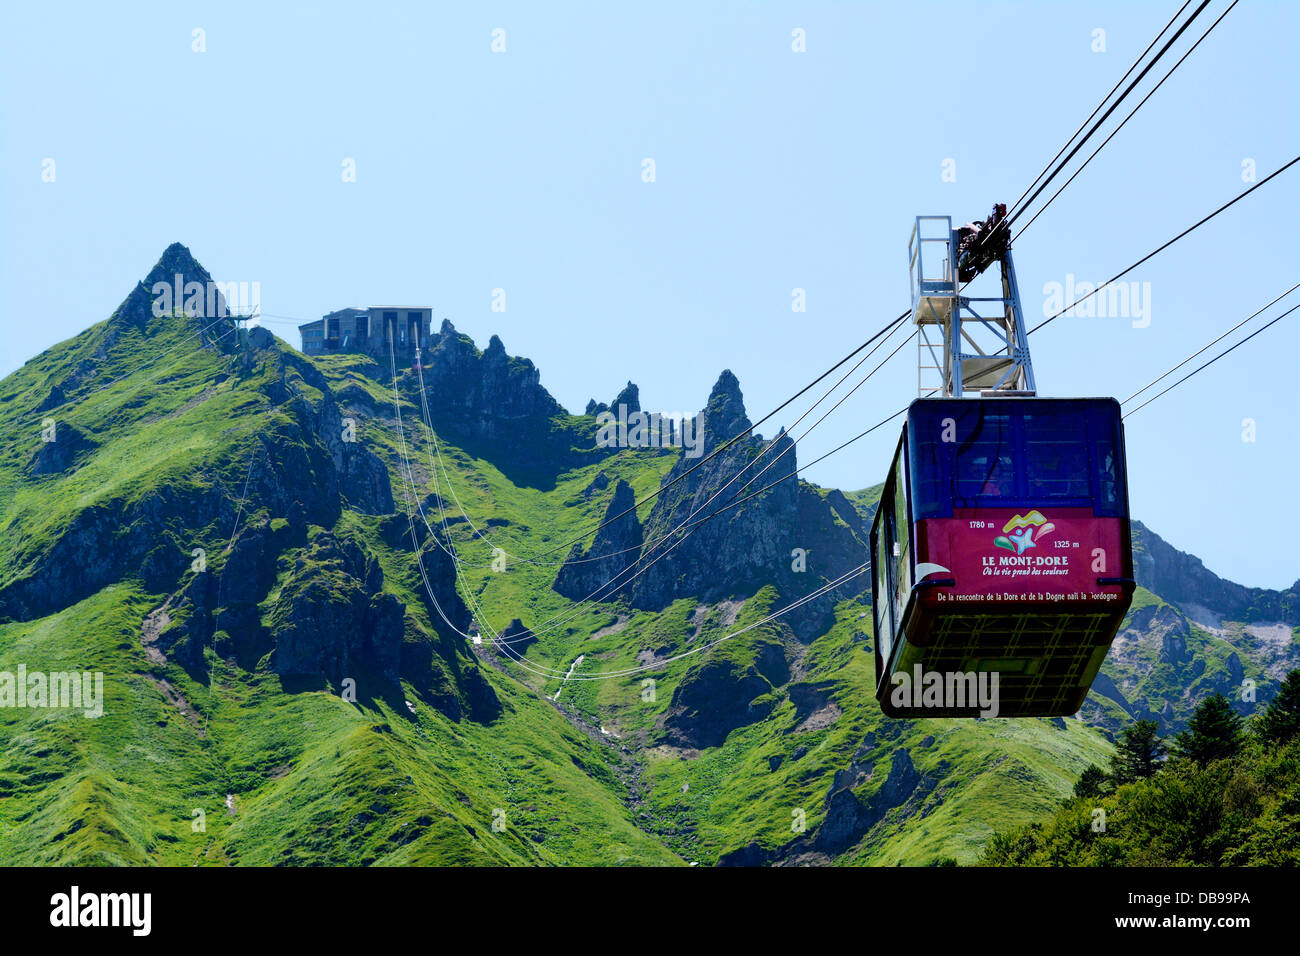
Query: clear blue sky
775	170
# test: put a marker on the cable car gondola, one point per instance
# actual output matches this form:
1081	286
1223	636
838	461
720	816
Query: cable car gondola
1001	556
1001	545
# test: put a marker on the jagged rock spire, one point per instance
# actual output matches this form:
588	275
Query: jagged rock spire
724	415
630	396
616	548
178	271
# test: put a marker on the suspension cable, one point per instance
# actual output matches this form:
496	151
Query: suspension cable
1196	225
1094	153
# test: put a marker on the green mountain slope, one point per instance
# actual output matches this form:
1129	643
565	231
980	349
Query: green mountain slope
288	646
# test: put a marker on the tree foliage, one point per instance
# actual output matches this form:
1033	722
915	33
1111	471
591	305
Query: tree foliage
1139	752
1093	782
1281	722
1213	733
1224	798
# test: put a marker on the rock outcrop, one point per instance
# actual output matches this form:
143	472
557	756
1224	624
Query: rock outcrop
629	400
332	618
70	446
787	535
361	477
598	572
485	395
792	537
207	316
1185	580
733	554
518	637
848	818
493	406
719	695
599	483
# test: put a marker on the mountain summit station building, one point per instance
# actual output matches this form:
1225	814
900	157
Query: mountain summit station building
369	330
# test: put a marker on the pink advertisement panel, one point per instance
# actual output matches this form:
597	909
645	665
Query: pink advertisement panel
1022	555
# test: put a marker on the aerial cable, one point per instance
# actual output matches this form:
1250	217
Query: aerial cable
822	377
736	503
605	555
1113	107
1094	153
252	456
1119	275
636	569
479	615
476	612
1160	53
1015	209
569	543
689	525
1208	345
410	489
554	622
1161	248
721	448
1098	107
415	544
660	664
668	534
1196	225
901	411
1273	322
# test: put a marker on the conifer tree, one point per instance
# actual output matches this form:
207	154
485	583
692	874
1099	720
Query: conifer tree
1213	733
1281	721
1139	752
1093	782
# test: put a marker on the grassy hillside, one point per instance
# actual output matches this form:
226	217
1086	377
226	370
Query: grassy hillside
725	738
280	774
1243	810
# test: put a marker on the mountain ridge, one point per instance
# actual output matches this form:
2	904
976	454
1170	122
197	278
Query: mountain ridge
329	560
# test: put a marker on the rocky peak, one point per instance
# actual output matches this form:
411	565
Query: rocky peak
178	258
630	396
137	308
1185	580
755	543
486	389
616	547
724	415
454	346
718	558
